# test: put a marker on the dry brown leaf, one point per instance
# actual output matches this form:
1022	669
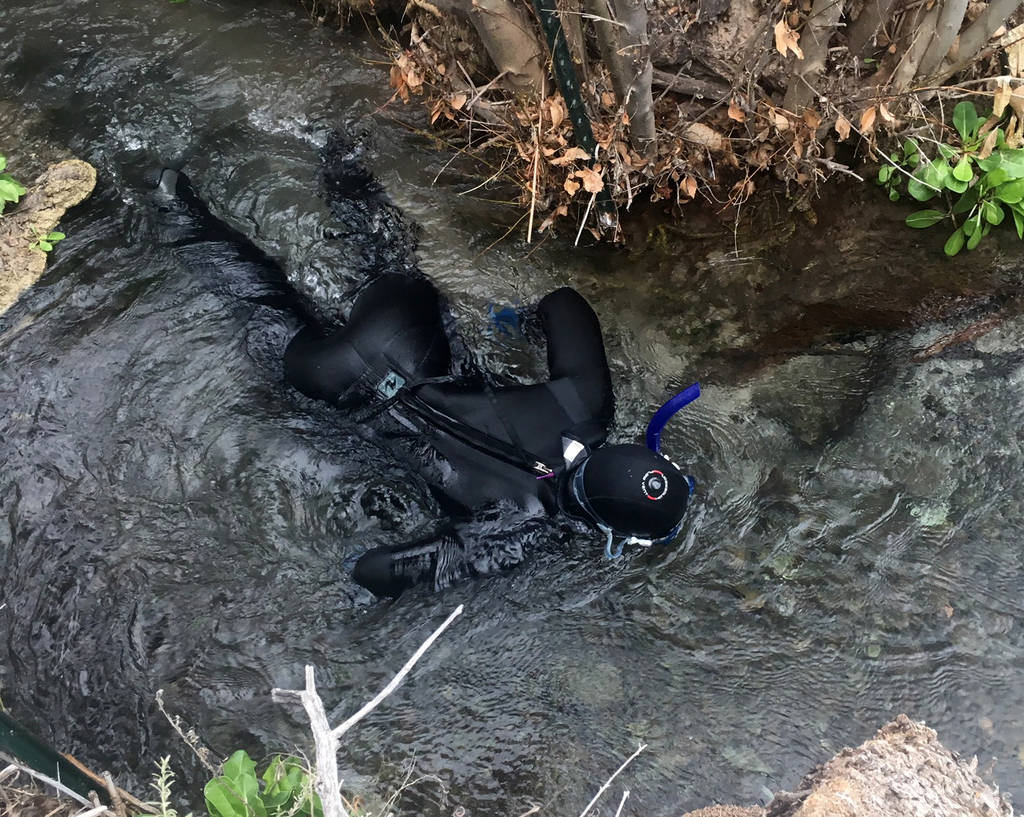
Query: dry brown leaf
1015	51
689	186
703	135
736	112
1017	102
1014	138
607	99
436	112
988	145
811	119
743	188
798	148
440	68
549	151
867	120
592	182
786	40
780	120
793	19
762	135
561	210
571	187
1001	98
571	155
458	101
886	115
843	128
556	110
625	118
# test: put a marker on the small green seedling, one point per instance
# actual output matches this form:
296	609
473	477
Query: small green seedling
10	189
981	178
45	241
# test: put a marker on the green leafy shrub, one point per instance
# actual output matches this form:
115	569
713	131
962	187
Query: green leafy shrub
285	789
981	179
10	189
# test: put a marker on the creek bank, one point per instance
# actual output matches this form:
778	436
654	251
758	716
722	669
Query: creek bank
53	193
903	771
683	101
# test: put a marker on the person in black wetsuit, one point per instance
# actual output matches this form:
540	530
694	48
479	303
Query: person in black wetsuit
524	452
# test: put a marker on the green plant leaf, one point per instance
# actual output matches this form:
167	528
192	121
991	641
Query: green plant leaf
221	801
45	246
966	201
925	218
239	765
9	191
1011	192
947	152
955	185
955	242
965	120
54	236
1018	221
3	161
963	170
910	150
974	238
918	189
894	194
884	173
994	178
993	212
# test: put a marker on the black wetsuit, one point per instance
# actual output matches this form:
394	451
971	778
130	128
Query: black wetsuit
498	448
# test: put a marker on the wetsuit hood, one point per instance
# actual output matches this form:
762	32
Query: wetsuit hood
631	491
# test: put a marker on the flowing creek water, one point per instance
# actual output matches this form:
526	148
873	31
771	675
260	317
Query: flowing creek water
173	517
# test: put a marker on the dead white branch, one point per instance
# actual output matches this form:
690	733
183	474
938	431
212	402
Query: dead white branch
326	739
608	782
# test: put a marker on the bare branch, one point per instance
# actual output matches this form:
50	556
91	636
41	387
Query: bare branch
340	730
608	782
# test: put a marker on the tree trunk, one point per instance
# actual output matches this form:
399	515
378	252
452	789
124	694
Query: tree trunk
817	34
621	27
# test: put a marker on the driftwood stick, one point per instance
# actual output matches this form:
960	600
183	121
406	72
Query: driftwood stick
115	796
608	782
326	739
622	802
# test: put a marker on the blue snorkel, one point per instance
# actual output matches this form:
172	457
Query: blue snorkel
665	413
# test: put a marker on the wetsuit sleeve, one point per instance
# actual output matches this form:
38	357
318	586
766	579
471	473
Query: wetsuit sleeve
576	350
493	541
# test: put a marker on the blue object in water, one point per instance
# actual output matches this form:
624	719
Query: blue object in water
505	319
664	414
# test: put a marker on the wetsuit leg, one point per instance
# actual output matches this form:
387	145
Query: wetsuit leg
395	326
207	245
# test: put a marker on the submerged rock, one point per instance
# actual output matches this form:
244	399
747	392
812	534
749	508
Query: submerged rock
903	771
59	188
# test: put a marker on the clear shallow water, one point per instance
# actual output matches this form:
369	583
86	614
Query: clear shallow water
174	518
